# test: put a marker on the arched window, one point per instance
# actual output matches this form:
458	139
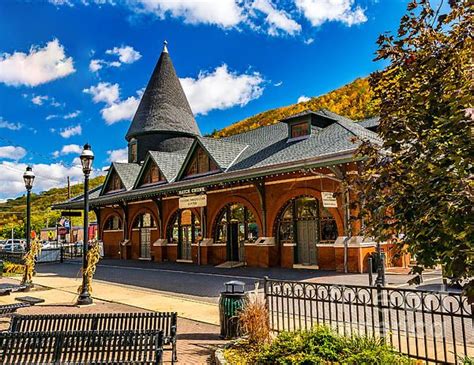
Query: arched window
306	209
184	229
243	217
144	220
328	226
113	223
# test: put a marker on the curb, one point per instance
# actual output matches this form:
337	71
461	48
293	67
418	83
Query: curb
219	357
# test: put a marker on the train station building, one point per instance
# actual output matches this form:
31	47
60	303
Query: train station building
273	196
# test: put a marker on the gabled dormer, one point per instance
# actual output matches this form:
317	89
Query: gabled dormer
301	125
209	156
113	183
199	163
121	177
150	174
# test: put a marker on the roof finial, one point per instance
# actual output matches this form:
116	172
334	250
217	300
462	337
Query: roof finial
165	48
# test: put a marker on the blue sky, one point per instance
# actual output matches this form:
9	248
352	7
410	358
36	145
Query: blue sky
71	71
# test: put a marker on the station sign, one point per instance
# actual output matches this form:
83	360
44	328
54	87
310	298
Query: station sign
329	201
193	201
192	191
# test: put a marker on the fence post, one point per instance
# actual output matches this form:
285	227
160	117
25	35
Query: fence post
371	268
265	290
380	309
61	255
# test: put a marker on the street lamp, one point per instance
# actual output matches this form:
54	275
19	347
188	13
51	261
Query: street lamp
28	178
87	156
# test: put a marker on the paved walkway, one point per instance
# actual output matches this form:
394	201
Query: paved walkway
196	340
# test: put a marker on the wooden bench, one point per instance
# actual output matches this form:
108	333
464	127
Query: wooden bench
12	308
101	347
164	321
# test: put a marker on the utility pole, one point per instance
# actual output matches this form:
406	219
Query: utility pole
71	236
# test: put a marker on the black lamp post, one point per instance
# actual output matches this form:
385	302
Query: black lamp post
86	160
28	178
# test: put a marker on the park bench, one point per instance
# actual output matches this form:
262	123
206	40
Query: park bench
11	308
165	321
81	347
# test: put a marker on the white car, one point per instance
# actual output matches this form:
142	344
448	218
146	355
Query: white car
14	245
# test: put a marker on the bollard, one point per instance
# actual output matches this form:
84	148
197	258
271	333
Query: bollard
1	268
231	301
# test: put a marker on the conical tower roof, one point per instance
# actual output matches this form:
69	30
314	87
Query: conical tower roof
163	107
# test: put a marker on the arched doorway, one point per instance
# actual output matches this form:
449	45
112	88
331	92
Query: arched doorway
302	221
184	229
144	222
235	225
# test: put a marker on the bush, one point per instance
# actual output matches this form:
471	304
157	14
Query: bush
253	320
11	268
321	345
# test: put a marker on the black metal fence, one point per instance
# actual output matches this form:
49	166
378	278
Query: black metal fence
427	325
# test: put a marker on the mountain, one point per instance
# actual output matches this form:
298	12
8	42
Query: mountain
13	211
355	101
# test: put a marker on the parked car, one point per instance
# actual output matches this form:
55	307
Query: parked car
14	245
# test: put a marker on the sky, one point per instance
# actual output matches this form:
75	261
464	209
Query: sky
72	71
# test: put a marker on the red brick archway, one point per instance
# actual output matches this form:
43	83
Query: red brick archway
298	192
234	199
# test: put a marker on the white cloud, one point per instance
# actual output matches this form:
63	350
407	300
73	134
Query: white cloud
308	41
95	65
8	125
120	110
221	89
126	54
277	84
120	155
39	66
12	152
224	13
67	149
71	131
278	20
115	109
303	98
104	92
321	11
39	99
72	115
47	176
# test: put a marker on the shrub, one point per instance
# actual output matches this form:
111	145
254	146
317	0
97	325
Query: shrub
253	320
321	345
11	268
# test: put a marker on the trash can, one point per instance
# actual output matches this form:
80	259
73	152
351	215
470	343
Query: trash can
230	302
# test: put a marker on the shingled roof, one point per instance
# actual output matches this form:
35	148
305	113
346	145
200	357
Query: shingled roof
163	107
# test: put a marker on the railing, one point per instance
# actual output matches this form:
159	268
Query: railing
71	250
427	325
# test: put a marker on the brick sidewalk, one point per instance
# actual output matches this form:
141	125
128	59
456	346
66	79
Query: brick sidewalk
196	340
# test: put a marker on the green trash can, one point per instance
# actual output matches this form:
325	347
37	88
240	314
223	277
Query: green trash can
231	301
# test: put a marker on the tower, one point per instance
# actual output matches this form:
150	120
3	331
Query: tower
164	120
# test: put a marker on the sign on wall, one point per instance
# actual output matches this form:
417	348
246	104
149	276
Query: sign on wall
329	201
193	201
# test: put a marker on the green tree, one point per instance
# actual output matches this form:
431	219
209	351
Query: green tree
420	183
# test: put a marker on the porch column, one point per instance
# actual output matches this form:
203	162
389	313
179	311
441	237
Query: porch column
260	186
159	207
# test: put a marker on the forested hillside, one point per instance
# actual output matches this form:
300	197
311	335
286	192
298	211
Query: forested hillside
13	211
354	100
